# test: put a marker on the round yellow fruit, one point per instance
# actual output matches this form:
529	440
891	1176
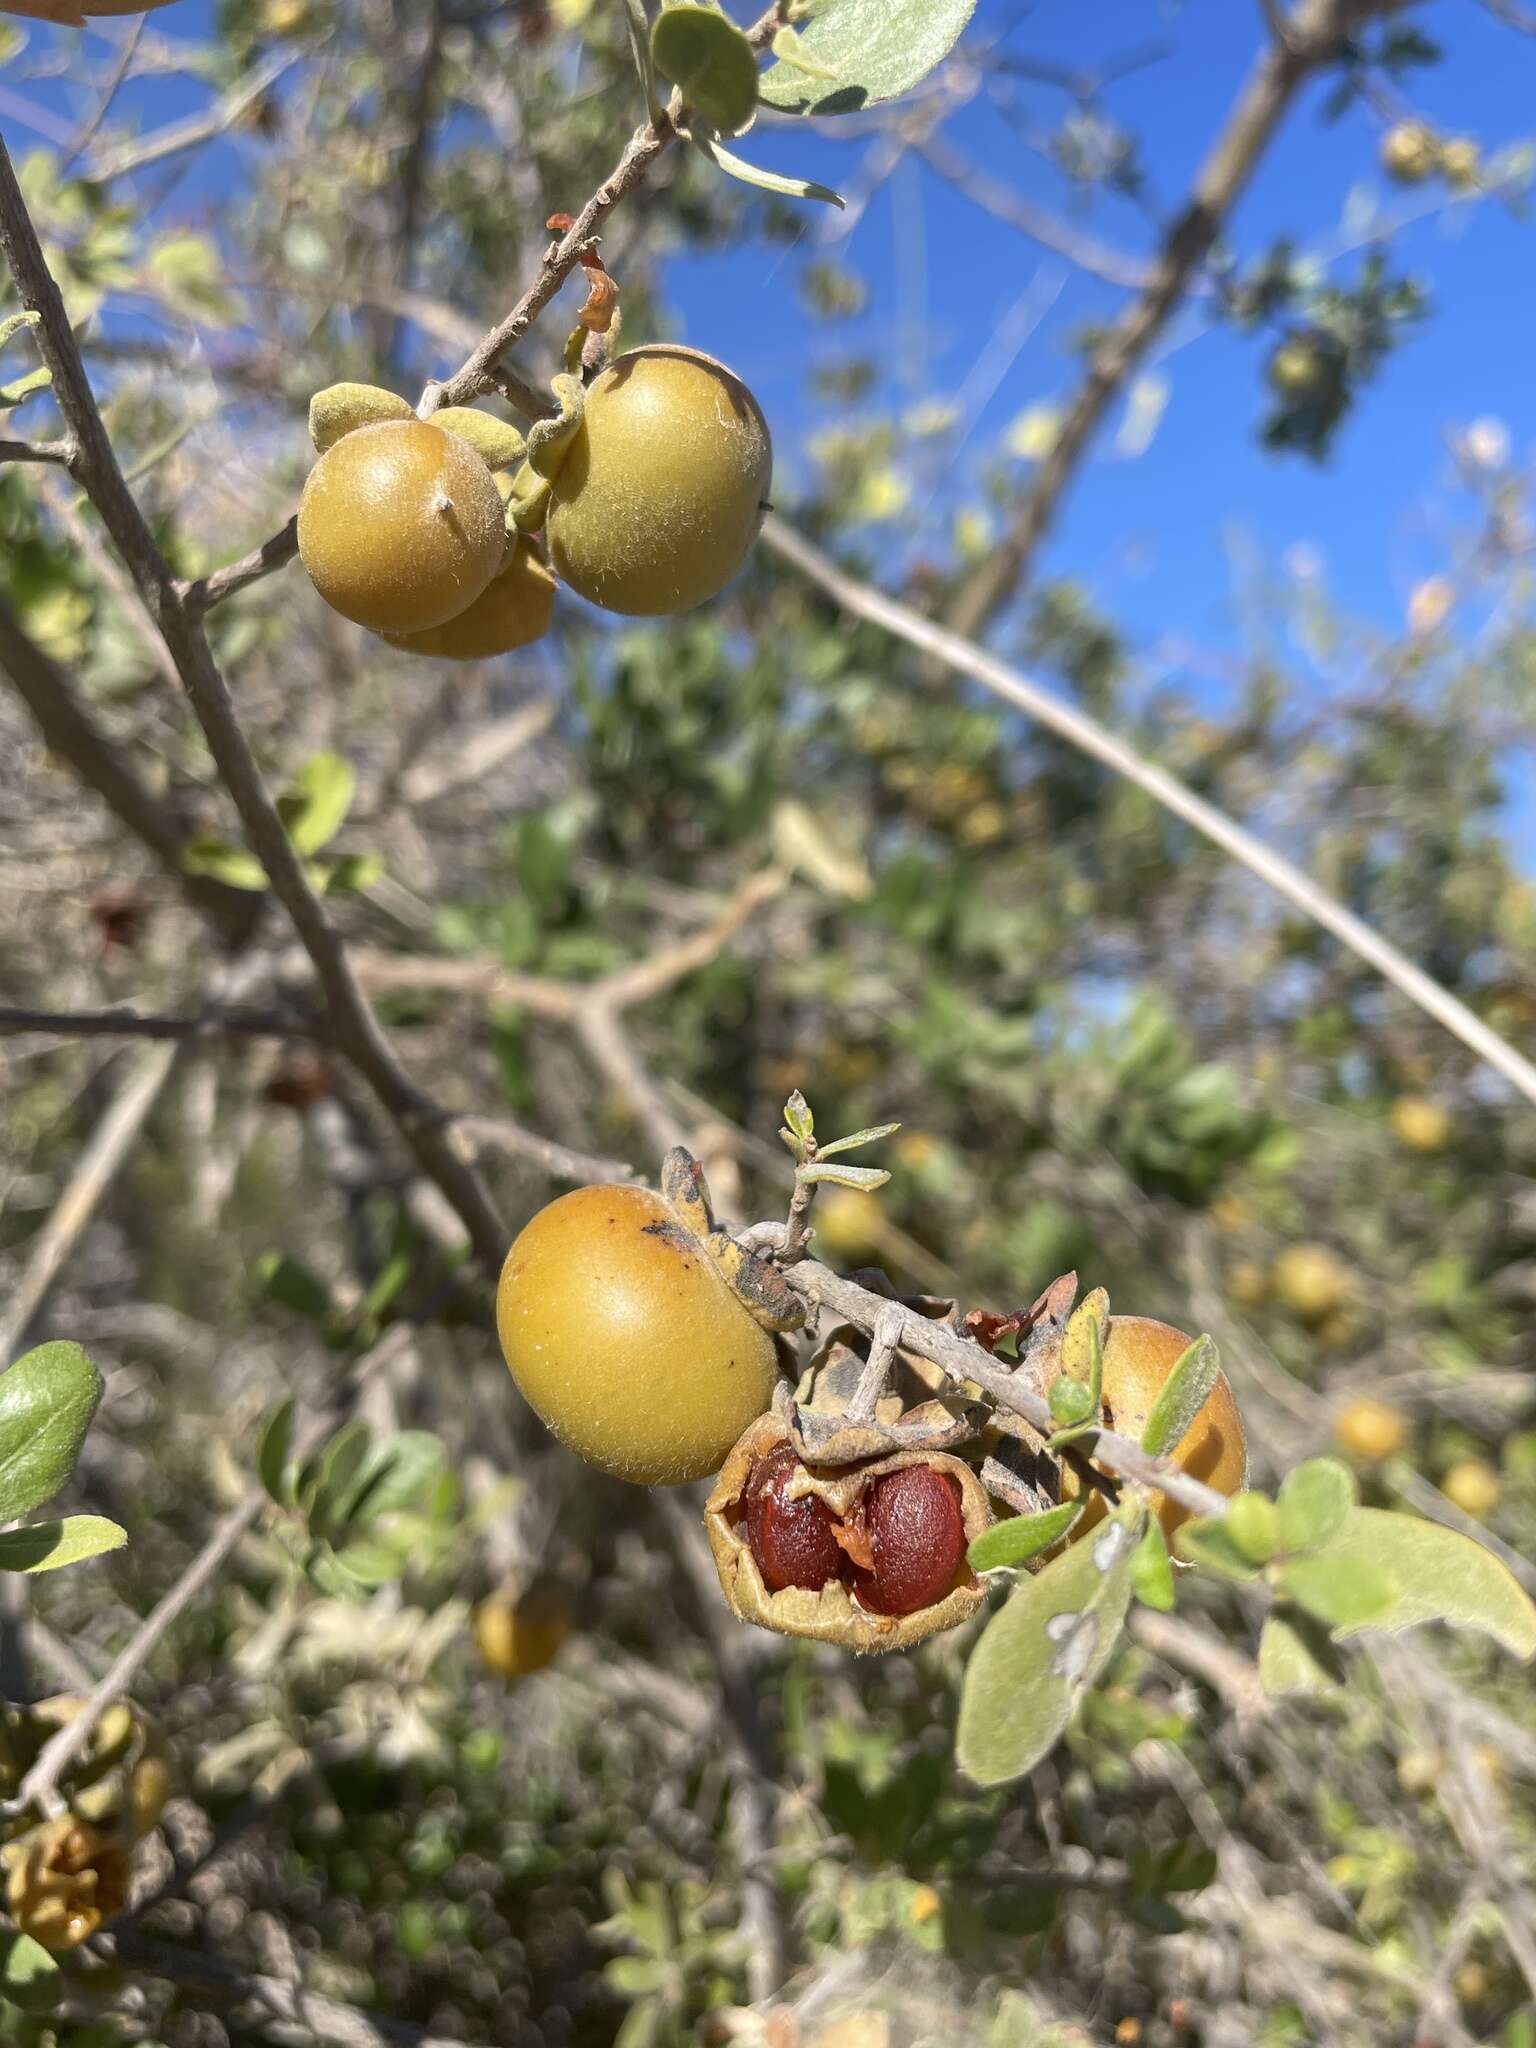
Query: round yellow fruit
1311	1281
1460	162
626	1340
1248	1283
1420	1125
1369	1430
1139	1354
1472	1485
659	497
1410	150
515	1637
848	1223
401	526
513	610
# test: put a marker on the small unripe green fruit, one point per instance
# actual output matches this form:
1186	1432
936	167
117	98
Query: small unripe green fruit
401	526
659	497
1297	368
627	1341
513	610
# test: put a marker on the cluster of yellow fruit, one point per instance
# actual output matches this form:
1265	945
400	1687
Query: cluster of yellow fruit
646	1340
1412	151
650	500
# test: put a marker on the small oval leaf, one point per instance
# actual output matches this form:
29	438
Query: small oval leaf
710	62
864	51
1315	1500
751	174
1021	1537
1181	1397
44	1546
47	1400
1152	1570
1440	1575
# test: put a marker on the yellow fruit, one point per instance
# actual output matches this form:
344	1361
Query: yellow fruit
626	1340
1311	1281
148	1790
925	1904
517	1637
1420	1770
916	1150
1419	1124
1473	1982
1139	1354
1409	152
513	610
401	526
1369	1430
848	1223
659	497
1460	163
1472	1485
1248	1284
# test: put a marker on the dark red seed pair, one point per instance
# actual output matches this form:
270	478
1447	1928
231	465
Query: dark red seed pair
910	1521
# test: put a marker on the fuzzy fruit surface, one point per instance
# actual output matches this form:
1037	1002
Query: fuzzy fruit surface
401	526
513	610
1139	1354
661	493
625	1339
916	1537
791	1540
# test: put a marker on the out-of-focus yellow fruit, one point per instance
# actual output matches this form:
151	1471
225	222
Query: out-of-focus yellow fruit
1473	1982
1461	162
1230	1213
1369	1430
1410	150
857	2030
1248	1283
849	1223
1420	1770
1429	604
925	1904
1311	1281
1419	1124
148	1790
516	1637
916	1150
1472	1485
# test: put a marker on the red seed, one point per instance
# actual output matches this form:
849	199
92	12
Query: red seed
791	1540
917	1538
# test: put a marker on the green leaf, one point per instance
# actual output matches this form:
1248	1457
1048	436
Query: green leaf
44	1546
1206	1541
272	1450
355	871
24	386
1347	1593
1037	1657
47	1400
1439	1574
29	1975
710	62
13	323
221	862
1315	1501
372	1564
1151	1571
1071	1402
315	810
873	50
857	1138
1181	1397
341	1463
1296	1656
797	1114
1022	1537
865	1177
290	1282
787	44
1253	1524
398	1473
640	50
765	181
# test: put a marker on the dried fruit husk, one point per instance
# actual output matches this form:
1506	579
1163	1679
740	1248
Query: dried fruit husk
831	1614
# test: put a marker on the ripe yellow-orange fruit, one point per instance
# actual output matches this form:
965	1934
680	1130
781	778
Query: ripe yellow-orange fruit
1410	150
849	1223
1139	1354
515	1637
1420	1125
513	610
1369	1430
1248	1283
626	1339
1472	1485
1311	1281
401	526
660	494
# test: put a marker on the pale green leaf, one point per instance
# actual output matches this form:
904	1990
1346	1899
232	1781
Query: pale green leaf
47	1400
1180	1398
1295	1655
1440	1575
1348	1592
710	61
44	1546
1315	1500
1151	1571
865	1177
872	50
867	1137
272	1450
751	174
1040	1654
29	1976
1021	1537
1206	1541
316	809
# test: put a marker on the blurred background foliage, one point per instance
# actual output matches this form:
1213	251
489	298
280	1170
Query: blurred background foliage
1107	1048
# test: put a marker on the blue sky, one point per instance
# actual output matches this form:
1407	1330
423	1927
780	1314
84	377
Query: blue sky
1153	537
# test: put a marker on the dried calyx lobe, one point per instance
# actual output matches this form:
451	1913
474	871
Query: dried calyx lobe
899	1550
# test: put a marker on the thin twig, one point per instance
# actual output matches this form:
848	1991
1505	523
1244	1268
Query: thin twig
98	1166
61	452
1314	37
207	591
1085	733
197	128
130	1023
501	1134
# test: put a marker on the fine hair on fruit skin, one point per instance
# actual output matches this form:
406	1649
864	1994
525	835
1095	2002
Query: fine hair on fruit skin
512	611
401	526
659	496
627	1340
